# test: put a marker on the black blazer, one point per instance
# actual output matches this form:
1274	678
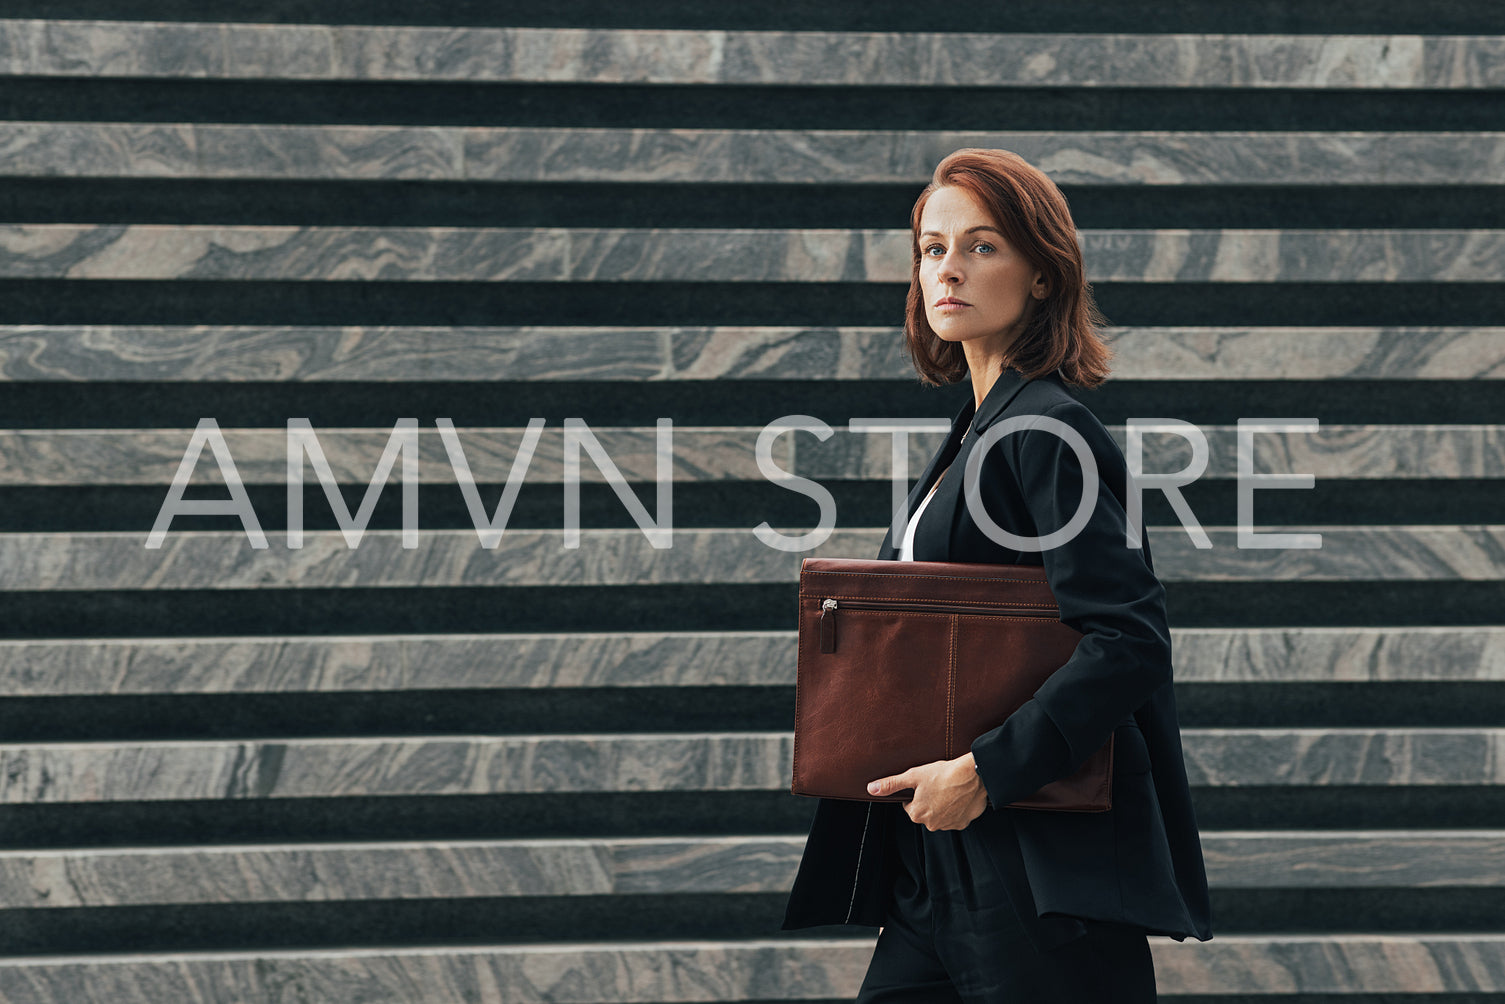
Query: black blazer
1139	863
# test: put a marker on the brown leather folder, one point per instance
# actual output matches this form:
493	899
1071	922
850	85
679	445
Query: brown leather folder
903	663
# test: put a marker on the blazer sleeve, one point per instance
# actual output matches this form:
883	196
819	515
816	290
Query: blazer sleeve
1105	589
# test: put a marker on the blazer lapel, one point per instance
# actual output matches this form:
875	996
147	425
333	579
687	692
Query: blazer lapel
932	540
890	550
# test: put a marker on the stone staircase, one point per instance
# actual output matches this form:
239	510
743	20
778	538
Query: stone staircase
355	771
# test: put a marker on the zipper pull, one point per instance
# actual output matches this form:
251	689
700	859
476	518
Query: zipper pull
828	626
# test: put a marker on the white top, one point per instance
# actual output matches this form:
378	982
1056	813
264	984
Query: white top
906	551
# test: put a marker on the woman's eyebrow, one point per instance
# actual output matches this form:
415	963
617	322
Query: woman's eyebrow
937	233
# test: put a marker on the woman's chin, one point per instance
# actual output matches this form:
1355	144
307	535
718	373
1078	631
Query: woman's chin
959	336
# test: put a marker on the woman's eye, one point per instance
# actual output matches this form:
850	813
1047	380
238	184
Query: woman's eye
937	247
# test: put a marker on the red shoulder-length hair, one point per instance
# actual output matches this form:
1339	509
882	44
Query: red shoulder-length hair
1062	329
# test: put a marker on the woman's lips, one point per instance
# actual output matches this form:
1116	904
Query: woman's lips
951	305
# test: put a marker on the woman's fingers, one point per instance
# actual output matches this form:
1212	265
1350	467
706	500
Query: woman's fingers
892	783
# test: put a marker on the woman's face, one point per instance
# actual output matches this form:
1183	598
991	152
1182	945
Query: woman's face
964	256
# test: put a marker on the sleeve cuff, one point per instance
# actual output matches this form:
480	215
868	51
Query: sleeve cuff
984	783
1022	755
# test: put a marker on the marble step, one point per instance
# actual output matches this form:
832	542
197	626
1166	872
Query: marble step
72	457
796	156
40	47
660	866
84	772
792	968
626	254
355	353
255	559
360	664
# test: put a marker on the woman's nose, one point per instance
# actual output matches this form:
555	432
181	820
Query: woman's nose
950	270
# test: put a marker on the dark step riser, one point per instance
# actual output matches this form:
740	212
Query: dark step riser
672	814
402	203
195	301
702	106
680	607
528	919
665	709
1446	17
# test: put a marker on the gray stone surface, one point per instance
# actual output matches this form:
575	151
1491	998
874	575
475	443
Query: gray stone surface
212	559
1333	450
1307	353
622	56
700	453
1393	859
304	353
625	973
482	153
1375	553
343	663
1354	859
216	559
299	353
378	870
723	761
529	254
152	456
1394	757
1338	654
706	971
1332	964
443	765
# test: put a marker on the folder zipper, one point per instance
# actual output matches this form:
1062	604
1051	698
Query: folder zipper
829	606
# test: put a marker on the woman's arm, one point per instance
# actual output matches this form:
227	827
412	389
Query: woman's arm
1104	589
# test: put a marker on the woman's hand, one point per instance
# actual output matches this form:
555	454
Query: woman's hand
948	794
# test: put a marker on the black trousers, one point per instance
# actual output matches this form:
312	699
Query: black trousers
951	936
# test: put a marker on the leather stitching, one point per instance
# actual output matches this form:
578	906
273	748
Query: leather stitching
951	693
896	599
955	578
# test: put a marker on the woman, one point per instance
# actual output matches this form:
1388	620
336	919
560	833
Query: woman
976	901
